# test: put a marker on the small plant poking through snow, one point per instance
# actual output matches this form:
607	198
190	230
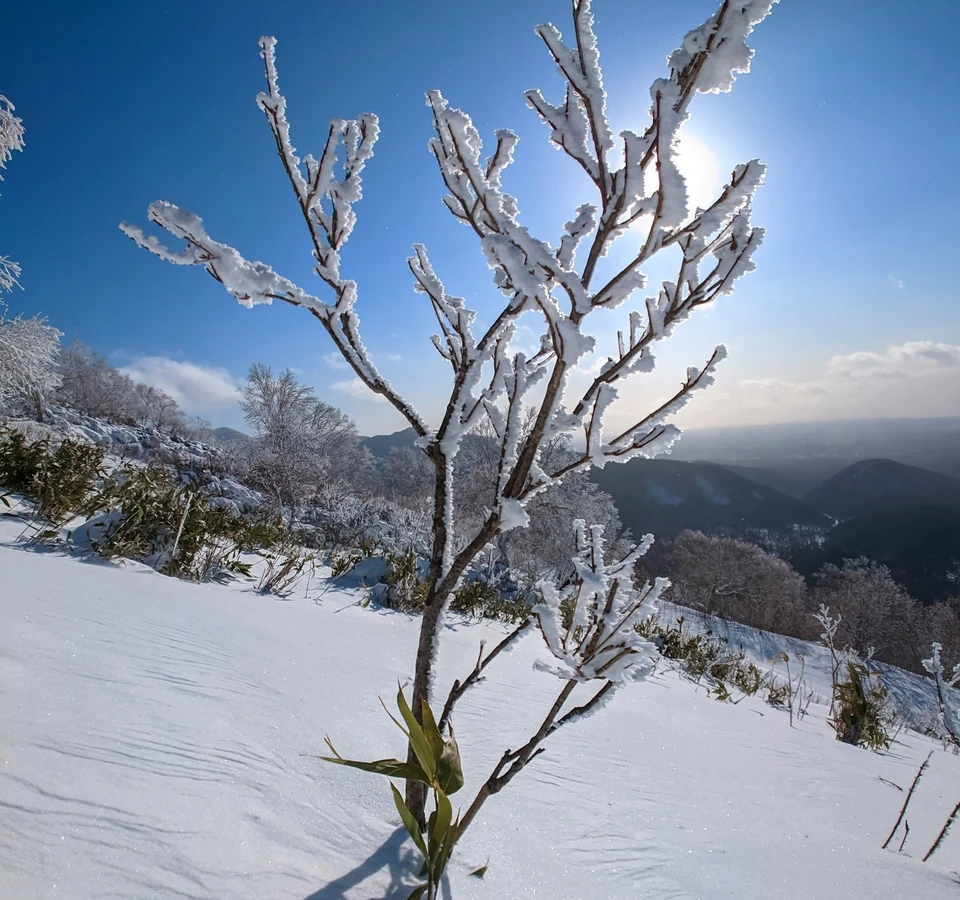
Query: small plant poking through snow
437	767
860	716
948	695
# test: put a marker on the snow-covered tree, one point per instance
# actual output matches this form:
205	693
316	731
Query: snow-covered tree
95	388
159	409
302	441
736	580
874	610
11	138
28	360
641	205
407	477
940	622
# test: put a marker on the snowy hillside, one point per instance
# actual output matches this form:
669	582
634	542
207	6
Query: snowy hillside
153	732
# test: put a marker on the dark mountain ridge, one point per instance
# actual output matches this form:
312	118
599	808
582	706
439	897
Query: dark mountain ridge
666	496
875	485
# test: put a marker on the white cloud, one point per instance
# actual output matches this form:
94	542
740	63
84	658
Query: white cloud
356	390
394	357
897	282
200	390
336	361
917	378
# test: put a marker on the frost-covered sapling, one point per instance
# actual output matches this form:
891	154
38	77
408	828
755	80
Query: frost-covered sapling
948	695
530	400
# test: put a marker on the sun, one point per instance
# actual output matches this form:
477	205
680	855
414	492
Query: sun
699	167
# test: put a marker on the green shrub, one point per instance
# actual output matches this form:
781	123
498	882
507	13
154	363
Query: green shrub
481	599
155	519
406	591
58	478
860	715
704	655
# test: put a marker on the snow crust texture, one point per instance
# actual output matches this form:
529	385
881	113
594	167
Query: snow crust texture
152	732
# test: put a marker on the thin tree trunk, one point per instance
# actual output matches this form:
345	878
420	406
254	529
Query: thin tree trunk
440	585
416	793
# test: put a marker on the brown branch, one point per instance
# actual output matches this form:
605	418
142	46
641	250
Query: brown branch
516	759
903	809
943	832
460	688
583	709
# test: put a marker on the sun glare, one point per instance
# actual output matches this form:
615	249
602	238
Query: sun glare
699	167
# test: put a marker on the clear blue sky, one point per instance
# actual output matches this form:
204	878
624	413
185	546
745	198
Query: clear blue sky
852	104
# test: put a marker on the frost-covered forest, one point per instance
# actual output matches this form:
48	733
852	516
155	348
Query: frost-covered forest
472	569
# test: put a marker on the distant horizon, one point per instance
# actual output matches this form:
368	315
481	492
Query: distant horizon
810	422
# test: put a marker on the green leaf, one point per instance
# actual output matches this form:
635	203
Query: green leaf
479	873
409	822
449	839
417	738
439	827
392	768
418	892
449	769
430	731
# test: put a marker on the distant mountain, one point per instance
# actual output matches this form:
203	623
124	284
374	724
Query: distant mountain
919	544
874	485
229	436
810	452
380	445
794	480
667	496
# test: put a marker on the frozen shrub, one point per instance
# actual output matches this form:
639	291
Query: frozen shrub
530	399
860	715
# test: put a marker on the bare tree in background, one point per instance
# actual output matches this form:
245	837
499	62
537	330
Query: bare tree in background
11	138
300	440
641	205
875	611
739	581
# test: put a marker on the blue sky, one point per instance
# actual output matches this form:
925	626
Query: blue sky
852	104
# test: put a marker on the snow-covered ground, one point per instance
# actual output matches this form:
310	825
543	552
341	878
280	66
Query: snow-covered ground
153	731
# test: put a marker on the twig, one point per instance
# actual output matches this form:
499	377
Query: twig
884	780
906	802
943	831
906	831
517	759
460	688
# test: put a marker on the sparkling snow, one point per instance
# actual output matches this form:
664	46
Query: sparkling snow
152	732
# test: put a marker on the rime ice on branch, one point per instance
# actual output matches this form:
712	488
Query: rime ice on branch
528	400
600	641
948	693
